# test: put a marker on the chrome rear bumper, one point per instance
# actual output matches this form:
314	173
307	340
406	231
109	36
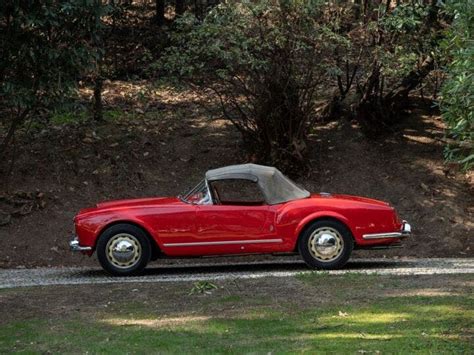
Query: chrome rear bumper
74	245
405	231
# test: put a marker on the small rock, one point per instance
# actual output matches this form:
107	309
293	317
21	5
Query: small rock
424	187
23	210
87	140
456	220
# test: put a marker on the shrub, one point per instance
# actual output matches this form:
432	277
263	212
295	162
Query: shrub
457	104
267	61
45	46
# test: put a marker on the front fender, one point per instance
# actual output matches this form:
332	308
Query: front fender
89	228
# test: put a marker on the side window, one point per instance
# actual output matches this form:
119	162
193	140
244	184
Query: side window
237	192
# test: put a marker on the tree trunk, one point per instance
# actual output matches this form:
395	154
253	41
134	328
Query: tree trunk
98	107
357	7
160	12
179	7
432	19
20	117
377	112
411	81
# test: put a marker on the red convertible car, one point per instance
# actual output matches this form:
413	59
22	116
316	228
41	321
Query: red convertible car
238	209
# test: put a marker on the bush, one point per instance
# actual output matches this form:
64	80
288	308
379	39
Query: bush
457	104
267	62
45	47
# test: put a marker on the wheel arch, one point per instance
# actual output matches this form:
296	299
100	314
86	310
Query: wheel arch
155	247
307	222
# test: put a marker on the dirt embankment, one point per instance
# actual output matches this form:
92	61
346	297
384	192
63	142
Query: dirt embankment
164	145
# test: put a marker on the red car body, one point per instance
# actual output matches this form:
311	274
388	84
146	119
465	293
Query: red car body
277	217
181	229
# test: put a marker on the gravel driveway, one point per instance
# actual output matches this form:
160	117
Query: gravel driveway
10	278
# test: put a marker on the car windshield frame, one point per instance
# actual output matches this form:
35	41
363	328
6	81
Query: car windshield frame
203	187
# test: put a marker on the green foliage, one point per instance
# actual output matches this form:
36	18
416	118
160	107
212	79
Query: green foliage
46	46
407	39
458	91
114	114
401	46
406	18
266	61
201	287
67	117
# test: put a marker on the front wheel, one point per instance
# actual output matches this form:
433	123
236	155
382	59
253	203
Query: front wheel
326	244
123	250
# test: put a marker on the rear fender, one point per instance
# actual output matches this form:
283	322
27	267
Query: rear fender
318	216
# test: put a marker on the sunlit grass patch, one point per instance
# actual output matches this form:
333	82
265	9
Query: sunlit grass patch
157	323
369	317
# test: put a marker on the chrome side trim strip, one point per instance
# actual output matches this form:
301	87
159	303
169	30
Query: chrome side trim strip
382	235
224	242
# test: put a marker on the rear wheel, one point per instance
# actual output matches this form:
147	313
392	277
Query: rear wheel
326	244
123	250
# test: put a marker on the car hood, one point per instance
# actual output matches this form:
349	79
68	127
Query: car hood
153	201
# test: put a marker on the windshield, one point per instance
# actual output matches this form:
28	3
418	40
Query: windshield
199	195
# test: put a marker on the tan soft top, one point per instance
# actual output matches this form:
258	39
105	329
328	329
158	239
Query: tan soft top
276	187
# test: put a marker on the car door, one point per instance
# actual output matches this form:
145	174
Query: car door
239	221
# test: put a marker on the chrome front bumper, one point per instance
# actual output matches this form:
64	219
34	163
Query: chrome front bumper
405	231
74	245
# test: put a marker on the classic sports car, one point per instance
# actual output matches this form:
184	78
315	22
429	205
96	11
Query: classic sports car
239	209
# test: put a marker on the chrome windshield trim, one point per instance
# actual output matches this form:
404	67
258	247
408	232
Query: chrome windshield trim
208	197
224	242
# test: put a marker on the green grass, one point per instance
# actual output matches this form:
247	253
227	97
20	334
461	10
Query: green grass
68	117
402	324
113	115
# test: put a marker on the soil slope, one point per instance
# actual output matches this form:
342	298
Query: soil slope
163	145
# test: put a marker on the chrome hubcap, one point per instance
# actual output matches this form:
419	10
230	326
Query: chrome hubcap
325	244
123	250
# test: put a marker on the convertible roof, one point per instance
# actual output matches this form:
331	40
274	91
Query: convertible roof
276	187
